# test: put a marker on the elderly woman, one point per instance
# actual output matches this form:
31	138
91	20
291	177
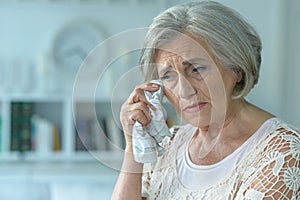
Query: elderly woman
208	59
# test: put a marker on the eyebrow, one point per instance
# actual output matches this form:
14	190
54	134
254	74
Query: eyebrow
165	69
185	62
192	60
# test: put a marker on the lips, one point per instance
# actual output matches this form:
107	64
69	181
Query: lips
195	107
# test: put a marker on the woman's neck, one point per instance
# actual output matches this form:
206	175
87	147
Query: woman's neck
241	118
214	144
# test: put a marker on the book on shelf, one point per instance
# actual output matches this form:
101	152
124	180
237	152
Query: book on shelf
98	134
89	135
115	137
30	132
56	139
21	126
45	137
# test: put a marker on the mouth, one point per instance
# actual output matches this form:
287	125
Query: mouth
195	107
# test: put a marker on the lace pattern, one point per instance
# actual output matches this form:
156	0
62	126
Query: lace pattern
270	171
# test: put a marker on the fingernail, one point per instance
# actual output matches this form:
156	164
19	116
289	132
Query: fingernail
154	86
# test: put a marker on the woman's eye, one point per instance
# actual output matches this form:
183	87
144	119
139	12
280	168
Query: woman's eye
168	76
165	77
199	69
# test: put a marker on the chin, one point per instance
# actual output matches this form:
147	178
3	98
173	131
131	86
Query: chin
197	121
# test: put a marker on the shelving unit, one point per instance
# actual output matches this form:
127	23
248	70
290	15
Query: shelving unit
58	110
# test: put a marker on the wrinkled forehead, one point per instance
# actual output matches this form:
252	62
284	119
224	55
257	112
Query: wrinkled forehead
182	48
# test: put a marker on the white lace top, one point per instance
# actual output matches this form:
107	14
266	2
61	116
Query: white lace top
271	170
193	176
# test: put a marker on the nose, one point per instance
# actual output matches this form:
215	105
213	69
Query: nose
185	88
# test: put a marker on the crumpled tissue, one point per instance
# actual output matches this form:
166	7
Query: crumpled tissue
149	142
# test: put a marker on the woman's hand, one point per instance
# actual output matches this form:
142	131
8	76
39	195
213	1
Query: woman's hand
136	108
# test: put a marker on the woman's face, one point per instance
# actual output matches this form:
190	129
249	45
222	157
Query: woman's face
199	88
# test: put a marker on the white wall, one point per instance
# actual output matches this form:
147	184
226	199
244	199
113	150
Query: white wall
265	17
291	63
278	23
27	30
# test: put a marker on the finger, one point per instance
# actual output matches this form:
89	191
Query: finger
141	109
140	117
139	95
143	99
136	96
145	109
136	99
129	110
151	87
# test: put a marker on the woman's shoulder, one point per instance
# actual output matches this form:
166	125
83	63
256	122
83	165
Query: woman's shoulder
283	131
282	140
276	157
287	136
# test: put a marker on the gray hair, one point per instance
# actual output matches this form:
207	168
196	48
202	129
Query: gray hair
231	39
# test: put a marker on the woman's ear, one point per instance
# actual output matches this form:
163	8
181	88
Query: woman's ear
239	75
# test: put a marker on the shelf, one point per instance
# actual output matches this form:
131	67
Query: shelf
56	171
105	157
59	112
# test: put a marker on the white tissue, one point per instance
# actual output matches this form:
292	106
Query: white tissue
148	142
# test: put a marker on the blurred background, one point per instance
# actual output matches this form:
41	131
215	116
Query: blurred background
50	146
